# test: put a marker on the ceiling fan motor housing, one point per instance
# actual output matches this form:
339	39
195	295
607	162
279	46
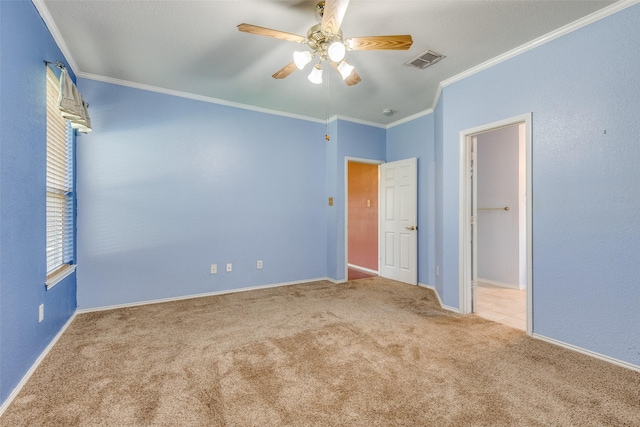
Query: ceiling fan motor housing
319	40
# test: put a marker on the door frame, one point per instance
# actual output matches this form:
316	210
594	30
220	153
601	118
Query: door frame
465	232
348	159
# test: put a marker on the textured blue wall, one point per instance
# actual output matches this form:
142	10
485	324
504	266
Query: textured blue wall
168	186
585	192
438	141
25	44
349	140
416	139
331	165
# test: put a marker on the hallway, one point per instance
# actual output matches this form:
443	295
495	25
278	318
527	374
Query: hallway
355	274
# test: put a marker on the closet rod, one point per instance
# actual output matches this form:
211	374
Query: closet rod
506	208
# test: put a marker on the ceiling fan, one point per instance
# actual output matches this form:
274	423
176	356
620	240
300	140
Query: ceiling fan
327	43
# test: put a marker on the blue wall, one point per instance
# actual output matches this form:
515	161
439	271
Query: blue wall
416	139
25	44
355	141
168	186
438	140
585	182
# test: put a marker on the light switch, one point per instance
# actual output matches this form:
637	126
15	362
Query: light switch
368	203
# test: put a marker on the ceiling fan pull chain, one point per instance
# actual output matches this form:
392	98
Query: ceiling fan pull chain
326	103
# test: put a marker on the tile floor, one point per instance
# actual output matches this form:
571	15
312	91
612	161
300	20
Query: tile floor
503	305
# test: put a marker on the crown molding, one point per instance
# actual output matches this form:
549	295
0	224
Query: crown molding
218	101
596	16
436	99
195	97
411	117
359	121
53	29
57	36
582	22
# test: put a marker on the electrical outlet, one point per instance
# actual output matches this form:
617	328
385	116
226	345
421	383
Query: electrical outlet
214	268
229	267
437	270
40	313
259	265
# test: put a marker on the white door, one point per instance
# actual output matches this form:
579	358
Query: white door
399	221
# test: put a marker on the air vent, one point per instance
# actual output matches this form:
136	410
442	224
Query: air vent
425	59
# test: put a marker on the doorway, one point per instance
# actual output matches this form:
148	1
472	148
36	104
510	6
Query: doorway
362	219
395	210
495	261
499	168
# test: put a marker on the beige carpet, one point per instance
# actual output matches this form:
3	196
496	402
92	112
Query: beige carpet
367	353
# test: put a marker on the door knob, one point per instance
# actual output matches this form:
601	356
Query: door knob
413	227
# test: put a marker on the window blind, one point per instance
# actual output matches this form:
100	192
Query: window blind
59	250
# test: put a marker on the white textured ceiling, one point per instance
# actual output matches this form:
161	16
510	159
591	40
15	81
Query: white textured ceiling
195	47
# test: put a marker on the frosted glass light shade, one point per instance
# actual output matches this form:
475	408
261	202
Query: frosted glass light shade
316	75
302	58
345	69
336	51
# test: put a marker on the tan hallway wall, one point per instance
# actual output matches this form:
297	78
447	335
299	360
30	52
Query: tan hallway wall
363	215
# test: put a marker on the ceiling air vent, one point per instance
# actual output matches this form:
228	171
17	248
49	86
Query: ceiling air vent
425	59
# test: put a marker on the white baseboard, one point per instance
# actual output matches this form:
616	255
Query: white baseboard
551	340
446	307
207	294
588	352
35	365
365	269
501	284
46	351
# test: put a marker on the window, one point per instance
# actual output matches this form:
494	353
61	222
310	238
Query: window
59	188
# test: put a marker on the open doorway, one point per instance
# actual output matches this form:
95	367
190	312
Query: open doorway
362	220
381	219
499	168
496	222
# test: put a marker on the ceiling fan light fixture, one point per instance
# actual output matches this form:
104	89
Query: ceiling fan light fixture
326	42
316	74
336	51
302	58
345	69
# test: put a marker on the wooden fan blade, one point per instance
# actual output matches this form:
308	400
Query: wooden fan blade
352	79
285	71
333	14
262	31
379	43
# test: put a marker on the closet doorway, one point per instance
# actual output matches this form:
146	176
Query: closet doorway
496	222
499	169
362	219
